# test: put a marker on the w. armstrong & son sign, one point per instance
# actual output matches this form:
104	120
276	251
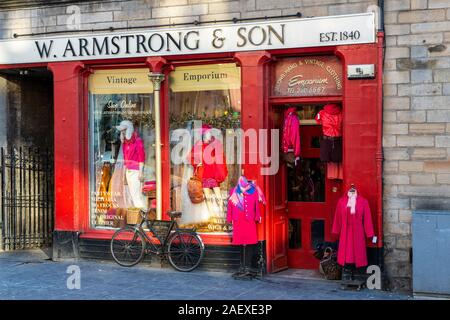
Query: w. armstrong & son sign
292	33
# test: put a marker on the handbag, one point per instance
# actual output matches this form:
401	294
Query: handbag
329	266
289	159
195	189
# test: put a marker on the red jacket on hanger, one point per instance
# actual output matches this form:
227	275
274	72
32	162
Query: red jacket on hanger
353	230
330	117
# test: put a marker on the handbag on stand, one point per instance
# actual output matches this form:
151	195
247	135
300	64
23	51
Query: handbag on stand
195	189
329	266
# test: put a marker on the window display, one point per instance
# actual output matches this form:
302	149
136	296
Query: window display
121	144
205	106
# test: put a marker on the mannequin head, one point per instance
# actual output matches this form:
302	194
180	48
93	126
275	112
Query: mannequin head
206	133
126	129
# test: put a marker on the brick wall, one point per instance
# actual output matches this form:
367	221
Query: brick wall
416	87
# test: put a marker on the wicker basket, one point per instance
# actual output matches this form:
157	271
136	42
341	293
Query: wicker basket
133	216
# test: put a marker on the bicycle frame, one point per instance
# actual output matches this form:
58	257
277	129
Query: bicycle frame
148	239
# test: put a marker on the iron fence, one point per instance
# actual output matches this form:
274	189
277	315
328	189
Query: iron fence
27	198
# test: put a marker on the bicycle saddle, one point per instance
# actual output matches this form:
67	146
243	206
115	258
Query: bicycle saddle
174	214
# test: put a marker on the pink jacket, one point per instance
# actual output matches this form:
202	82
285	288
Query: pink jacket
331	120
291	132
353	230
252	210
133	152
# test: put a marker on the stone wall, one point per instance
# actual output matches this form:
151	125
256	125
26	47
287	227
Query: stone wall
416	122
416	87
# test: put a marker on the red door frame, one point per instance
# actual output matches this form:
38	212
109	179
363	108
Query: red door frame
362	100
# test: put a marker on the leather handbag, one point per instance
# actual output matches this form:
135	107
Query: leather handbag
195	189
329	266
289	159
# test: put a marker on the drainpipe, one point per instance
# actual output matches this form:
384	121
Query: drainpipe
380	157
156	79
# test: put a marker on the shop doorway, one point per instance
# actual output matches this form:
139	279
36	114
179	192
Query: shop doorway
309	197
26	158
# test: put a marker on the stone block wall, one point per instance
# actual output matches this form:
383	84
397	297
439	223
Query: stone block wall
416	133
416	86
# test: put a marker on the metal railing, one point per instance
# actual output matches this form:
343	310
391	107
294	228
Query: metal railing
27	198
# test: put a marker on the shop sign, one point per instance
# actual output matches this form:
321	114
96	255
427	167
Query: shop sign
307	76
361	71
120	81
274	34
205	77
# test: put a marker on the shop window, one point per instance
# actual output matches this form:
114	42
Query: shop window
121	144
204	108
295	234
306	182
317	233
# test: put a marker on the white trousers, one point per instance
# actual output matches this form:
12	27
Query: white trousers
135	187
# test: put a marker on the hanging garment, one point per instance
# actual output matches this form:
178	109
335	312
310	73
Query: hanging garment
330	117
352	228
291	132
331	144
211	165
335	170
103	199
244	211
120	193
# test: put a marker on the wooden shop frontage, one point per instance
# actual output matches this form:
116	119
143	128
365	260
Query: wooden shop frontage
117	148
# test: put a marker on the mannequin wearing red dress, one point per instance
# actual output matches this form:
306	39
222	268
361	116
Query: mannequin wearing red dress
208	159
353	223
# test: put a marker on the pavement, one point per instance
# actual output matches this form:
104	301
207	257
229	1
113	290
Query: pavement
31	274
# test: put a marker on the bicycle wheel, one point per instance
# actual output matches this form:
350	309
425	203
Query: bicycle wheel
127	246
185	251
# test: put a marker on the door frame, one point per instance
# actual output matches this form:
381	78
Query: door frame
277	104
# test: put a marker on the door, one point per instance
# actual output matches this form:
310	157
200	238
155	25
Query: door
311	197
279	217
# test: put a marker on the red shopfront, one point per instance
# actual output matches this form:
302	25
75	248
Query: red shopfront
289	228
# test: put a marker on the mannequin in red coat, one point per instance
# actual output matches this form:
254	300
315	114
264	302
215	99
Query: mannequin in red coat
208	159
353	223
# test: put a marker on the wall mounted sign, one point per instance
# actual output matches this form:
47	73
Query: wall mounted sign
361	71
276	34
307	76
120	81
222	76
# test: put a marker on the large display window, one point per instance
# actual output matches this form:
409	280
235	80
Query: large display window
121	144
205	112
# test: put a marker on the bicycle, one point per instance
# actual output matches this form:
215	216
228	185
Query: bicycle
183	248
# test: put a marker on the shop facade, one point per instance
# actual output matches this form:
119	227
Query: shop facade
237	79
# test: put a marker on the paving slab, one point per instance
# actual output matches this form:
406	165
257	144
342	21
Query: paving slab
31	275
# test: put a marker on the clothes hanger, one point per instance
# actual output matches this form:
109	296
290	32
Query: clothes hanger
352	188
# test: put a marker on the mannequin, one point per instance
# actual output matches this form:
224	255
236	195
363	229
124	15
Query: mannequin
134	158
330	117
208	159
244	212
352	223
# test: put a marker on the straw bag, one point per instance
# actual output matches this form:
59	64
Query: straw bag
329	266
195	189
133	216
